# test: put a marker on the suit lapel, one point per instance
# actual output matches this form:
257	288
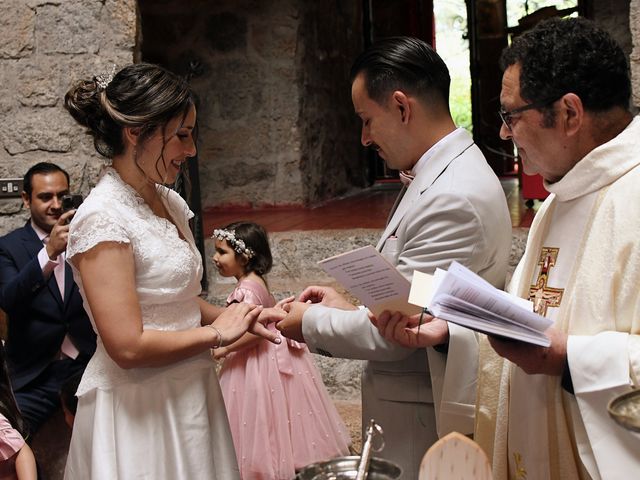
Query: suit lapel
396	203
31	241
403	205
457	144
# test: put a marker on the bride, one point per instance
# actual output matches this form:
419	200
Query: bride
149	401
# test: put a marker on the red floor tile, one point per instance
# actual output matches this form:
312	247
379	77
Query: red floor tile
367	209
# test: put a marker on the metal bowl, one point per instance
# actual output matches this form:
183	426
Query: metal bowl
625	410
346	468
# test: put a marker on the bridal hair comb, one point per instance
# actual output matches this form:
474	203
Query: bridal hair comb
236	243
104	79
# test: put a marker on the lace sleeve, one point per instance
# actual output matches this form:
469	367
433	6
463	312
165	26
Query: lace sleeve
88	231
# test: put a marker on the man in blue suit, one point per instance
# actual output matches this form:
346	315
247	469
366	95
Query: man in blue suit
49	335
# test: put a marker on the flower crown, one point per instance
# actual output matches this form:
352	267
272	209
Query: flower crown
236	243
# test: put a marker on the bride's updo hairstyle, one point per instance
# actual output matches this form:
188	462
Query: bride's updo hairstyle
141	95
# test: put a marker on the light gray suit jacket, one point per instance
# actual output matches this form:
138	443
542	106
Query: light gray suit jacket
455	209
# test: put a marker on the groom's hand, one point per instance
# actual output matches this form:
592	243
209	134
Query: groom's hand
291	325
326	296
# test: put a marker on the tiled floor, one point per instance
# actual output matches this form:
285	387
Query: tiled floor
366	209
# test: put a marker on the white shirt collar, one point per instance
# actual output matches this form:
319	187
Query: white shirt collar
41	233
424	159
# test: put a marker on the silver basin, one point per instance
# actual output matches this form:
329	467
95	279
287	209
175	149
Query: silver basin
345	468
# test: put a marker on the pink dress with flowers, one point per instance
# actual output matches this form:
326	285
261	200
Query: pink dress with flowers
280	414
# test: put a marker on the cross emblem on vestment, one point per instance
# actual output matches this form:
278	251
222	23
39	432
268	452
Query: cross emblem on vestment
540	294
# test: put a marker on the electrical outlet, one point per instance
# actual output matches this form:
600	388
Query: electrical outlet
10	187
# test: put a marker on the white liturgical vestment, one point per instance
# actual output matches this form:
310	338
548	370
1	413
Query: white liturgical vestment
581	268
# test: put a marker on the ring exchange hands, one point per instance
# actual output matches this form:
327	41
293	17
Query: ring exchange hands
276	313
239	318
291	325
326	296
403	330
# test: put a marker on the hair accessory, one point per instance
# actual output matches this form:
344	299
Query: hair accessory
236	243
104	79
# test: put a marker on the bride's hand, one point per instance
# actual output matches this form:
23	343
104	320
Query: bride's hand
280	305
237	319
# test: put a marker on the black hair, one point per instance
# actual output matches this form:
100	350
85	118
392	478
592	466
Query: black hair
8	406
403	63
254	237
570	55
140	95
42	168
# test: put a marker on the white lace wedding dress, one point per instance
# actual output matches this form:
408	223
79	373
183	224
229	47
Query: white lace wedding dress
148	423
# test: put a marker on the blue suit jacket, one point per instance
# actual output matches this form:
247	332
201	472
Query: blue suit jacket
38	318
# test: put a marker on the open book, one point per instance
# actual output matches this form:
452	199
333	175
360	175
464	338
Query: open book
460	296
456	295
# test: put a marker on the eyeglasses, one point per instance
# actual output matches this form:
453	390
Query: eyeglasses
506	116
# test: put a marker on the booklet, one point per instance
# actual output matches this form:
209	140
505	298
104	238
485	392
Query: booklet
460	296
369	277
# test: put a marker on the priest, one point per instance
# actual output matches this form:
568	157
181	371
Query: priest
542	412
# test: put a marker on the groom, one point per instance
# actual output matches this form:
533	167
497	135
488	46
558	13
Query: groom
452	207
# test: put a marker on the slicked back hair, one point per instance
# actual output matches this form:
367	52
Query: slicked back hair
406	64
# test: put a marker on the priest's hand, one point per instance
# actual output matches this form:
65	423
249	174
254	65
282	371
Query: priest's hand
326	296
534	359
291	325
404	330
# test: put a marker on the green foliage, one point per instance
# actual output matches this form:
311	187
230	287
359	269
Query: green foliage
460	102
453	46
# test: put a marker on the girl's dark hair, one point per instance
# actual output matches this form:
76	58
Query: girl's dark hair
140	95
254	237
8	406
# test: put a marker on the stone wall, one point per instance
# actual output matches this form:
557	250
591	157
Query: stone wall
613	16
275	117
44	45
332	160
617	17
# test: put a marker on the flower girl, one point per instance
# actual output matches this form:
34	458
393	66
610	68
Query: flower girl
280	414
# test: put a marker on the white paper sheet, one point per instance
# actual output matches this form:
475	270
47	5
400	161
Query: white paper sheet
369	277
